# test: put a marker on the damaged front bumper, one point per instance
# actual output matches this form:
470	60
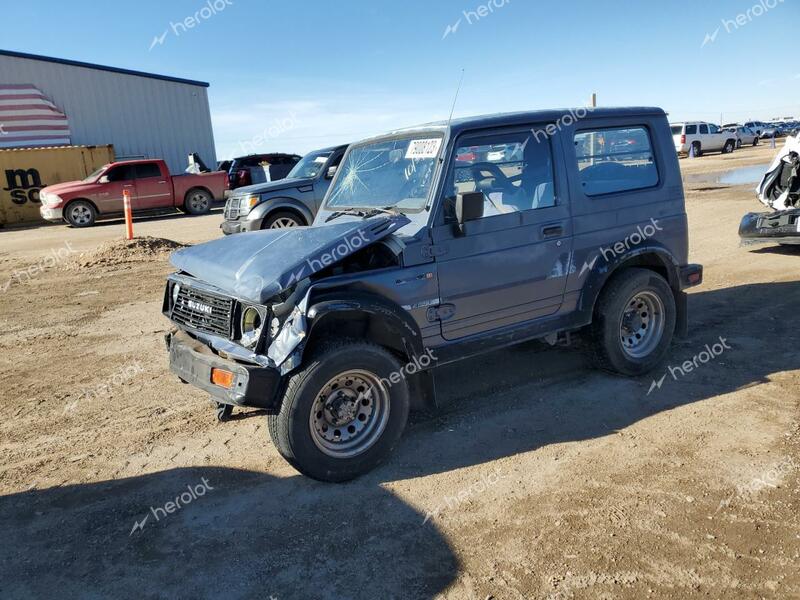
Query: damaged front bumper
782	227
252	385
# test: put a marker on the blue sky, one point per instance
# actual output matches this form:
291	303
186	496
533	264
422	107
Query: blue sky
309	73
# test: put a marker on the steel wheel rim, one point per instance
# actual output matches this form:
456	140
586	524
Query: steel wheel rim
283	223
349	414
198	202
642	324
80	215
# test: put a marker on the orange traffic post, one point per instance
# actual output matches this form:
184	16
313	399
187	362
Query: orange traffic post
126	203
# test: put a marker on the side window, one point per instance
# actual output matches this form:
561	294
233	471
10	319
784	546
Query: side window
146	170
514	171
703	128
691	130
615	160
713	129
121	173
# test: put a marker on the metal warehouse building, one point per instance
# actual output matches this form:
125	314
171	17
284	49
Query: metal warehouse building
49	101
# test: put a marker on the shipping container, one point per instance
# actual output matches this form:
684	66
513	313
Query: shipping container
25	171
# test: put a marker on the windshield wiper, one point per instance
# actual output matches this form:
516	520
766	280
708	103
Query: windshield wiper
364	214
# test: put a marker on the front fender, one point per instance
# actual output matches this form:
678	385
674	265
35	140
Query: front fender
260	212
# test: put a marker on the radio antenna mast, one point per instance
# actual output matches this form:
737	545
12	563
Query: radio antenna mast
458	89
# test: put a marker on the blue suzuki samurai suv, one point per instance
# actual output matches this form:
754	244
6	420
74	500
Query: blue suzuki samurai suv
434	244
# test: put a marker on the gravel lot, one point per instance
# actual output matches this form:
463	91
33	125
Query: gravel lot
539	478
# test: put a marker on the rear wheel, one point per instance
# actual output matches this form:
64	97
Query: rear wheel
197	202
755	141
80	214
282	219
634	322
698	149
341	415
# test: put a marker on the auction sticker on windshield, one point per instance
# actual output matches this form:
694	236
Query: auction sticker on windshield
428	148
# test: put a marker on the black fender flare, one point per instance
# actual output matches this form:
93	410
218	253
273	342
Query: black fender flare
382	321
654	257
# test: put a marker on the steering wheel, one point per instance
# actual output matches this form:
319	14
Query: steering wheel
501	182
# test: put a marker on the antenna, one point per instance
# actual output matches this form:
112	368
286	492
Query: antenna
458	89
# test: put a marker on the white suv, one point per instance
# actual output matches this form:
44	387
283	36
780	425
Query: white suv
704	137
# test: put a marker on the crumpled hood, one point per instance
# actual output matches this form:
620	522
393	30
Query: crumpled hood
258	265
273	186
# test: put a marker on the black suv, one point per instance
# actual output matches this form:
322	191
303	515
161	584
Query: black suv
273	166
435	244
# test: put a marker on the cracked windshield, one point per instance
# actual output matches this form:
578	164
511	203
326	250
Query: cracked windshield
393	173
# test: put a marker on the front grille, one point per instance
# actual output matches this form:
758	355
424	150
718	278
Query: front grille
203	311
232	209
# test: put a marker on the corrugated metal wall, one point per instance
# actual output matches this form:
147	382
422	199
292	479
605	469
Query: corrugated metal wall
140	116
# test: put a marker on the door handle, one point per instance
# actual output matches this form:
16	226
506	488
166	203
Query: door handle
552	230
162	182
127	185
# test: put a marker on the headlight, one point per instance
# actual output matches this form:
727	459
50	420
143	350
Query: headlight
176	289
251	324
49	199
247	203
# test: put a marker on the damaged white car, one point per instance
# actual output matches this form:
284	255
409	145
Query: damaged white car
780	191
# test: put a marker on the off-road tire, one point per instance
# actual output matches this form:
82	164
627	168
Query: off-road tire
606	344
86	209
290	429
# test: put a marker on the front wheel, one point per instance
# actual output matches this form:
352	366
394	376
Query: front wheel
634	322
197	202
738	144
343	413
80	214
282	220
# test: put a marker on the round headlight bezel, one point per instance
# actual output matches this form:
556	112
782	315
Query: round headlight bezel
251	323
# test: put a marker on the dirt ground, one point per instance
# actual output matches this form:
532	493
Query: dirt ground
539	478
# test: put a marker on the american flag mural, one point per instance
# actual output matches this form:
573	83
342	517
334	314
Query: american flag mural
28	118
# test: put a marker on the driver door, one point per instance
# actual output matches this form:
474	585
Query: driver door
510	266
120	178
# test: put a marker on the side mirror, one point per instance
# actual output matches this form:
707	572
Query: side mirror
103	179
469	207
331	172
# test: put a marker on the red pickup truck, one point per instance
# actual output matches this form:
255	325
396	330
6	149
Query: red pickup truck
81	203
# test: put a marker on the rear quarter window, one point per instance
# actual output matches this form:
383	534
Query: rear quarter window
615	160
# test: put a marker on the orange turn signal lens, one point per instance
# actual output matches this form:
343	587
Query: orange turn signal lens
222	378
